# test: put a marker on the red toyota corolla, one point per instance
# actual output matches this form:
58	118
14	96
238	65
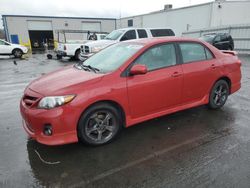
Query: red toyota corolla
125	84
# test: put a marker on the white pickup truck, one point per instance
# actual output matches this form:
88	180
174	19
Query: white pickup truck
71	48
90	48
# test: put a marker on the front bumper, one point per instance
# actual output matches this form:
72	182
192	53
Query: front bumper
63	125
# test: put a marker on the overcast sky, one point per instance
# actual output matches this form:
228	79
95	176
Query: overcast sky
88	8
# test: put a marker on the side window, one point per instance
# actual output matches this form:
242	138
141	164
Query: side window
129	35
142	33
158	57
2	43
192	52
161	32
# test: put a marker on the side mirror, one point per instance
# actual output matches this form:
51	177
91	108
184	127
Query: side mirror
138	69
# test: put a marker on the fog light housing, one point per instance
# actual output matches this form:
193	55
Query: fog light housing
47	130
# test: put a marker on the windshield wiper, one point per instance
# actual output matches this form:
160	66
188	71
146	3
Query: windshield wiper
89	67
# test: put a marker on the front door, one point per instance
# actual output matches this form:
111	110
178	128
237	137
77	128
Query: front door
158	89
5	48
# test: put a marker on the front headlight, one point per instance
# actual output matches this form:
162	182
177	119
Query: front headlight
54	101
96	49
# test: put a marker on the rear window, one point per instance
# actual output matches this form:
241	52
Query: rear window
142	33
162	32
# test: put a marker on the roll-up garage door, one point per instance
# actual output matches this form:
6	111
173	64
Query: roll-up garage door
40	25
91	26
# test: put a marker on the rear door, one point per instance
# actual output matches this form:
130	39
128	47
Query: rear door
158	89
200	70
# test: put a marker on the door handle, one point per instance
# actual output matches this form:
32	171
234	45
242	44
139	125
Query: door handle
176	74
213	66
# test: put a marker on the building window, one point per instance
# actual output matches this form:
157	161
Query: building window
130	23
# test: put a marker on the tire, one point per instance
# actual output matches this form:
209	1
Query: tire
17	53
77	54
49	56
218	95
230	48
58	57
99	125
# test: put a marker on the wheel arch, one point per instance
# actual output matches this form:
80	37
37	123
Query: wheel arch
16	49
78	49
109	102
227	79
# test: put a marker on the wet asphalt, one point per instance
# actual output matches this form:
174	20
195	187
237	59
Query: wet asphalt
192	148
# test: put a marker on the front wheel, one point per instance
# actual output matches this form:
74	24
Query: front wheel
99	125
77	55
17	53
218	95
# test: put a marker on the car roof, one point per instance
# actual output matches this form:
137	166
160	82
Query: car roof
158	40
132	28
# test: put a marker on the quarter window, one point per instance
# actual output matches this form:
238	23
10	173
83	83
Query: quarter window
209	54
194	52
158	57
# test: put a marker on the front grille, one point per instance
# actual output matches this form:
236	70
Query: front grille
29	100
86	49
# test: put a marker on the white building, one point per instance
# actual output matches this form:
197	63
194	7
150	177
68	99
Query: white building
193	21
213	14
36	29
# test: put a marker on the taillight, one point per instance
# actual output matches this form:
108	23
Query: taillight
64	47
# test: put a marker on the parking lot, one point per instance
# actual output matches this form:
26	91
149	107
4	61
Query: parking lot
192	148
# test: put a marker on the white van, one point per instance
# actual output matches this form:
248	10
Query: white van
90	48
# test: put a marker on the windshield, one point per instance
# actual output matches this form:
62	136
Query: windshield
111	58
208	38
114	35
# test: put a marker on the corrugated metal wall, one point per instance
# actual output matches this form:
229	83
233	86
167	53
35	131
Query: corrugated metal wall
240	34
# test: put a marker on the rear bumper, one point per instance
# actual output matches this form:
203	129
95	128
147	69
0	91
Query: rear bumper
61	53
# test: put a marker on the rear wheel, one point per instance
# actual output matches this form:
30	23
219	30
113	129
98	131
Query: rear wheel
218	94
17	53
100	124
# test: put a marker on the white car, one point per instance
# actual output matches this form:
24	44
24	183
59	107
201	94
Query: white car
72	47
90	48
7	48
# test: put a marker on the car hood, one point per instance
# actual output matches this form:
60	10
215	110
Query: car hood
63	81
101	43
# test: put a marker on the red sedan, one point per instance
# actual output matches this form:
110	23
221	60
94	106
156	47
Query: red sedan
125	84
